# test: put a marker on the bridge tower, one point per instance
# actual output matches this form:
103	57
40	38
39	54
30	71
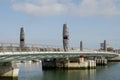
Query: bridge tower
65	37
81	46
22	38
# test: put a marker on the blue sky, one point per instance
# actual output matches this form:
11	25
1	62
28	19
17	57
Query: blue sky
91	21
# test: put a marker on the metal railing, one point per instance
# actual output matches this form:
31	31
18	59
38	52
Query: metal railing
15	47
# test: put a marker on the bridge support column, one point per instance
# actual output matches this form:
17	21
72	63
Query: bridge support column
8	71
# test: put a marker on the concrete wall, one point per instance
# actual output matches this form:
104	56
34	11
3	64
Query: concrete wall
8	69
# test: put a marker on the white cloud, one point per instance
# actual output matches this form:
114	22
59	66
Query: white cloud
40	7
29	8
68	7
99	7
43	2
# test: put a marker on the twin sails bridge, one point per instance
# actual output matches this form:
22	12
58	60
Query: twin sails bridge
12	52
23	51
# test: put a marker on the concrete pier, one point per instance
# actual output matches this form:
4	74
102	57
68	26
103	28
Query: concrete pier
8	71
116	59
68	63
101	60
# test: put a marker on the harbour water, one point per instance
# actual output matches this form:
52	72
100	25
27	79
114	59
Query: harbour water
34	72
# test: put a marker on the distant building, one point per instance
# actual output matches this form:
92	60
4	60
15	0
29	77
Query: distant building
101	45
104	46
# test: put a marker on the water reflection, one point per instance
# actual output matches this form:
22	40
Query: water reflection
81	74
34	72
30	71
69	75
8	78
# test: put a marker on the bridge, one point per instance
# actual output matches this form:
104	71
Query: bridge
32	55
17	56
10	52
22	51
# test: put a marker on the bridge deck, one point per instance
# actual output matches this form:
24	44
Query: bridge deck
14	56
